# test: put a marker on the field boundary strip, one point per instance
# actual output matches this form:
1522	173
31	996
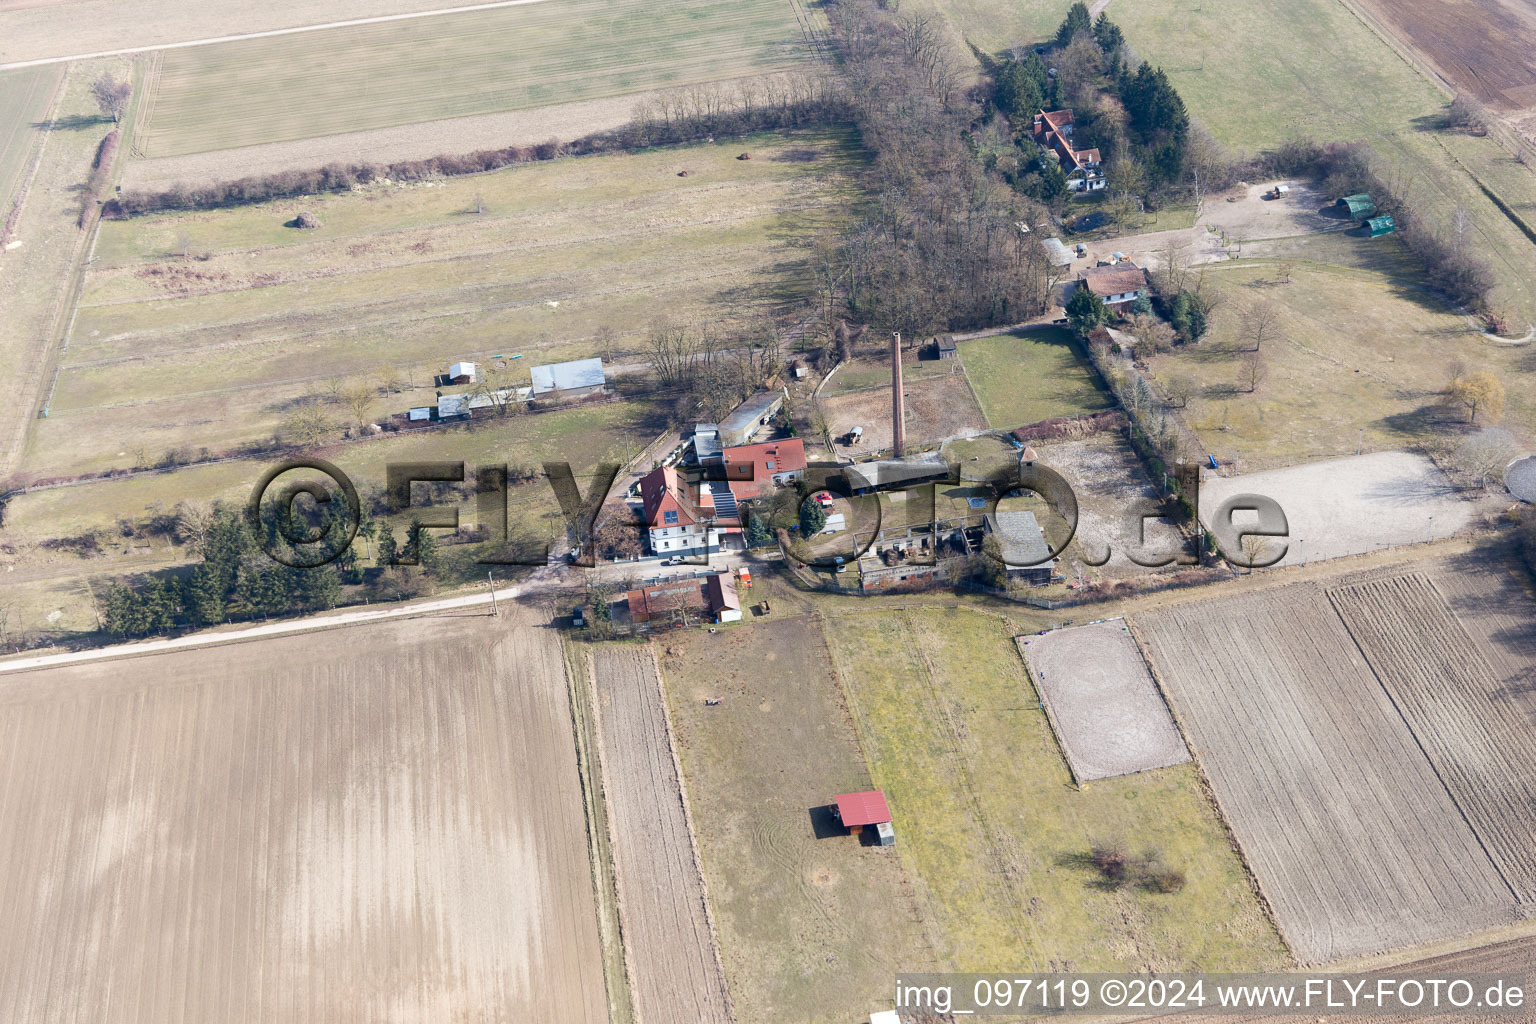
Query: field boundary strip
295	30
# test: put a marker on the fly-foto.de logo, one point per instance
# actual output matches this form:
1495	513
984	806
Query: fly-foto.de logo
307	513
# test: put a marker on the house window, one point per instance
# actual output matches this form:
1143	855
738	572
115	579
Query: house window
669	517
769	463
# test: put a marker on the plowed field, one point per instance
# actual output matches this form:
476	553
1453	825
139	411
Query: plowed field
1352	837
1479	741
373	823
674	966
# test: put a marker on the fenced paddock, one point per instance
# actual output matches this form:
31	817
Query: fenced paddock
1102	701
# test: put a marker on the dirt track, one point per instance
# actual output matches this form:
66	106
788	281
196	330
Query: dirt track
1353	839
673	963
376	823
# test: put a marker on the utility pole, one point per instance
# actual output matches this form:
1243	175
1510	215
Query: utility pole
491	582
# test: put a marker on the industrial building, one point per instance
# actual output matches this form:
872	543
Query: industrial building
738	428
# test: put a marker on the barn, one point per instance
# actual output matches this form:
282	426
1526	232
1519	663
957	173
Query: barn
461	373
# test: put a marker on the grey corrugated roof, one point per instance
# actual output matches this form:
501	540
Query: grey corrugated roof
1021	538
750	411
579	373
888	472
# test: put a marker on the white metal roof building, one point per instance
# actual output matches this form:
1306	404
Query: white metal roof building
457	370
1022	540
1057	252
577	375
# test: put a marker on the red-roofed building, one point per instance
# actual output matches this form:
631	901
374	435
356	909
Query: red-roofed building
677	599
753	470
685	517
859	809
1053	130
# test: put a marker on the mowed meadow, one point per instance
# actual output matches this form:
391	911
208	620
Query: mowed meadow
355	78
568	259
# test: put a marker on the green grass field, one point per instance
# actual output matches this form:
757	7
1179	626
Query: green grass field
375	76
24	97
1027	376
571	258
992	832
812	925
1362	362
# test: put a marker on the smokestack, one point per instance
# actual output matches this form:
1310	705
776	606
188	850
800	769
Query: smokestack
898	403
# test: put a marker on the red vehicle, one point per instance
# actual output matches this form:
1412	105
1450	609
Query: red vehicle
824	499
745	575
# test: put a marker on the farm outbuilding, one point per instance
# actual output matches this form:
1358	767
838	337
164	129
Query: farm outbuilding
1358	206
1057	253
738	428
1026	553
571	380
945	346
855	810
1378	226
461	373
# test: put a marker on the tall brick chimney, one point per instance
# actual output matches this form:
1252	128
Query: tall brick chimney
898	403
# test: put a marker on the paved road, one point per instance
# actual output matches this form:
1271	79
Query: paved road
263	35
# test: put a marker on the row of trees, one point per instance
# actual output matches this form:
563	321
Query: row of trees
235	578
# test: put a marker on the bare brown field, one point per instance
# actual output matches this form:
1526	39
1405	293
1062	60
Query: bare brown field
1352	837
937	408
377	823
1495	958
673	962
1102	701
1487	47
1476	732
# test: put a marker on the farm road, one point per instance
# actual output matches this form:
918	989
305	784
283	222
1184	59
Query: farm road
264	35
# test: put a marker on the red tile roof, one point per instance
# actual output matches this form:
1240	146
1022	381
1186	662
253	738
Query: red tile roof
867	808
1116	280
661	490
749	468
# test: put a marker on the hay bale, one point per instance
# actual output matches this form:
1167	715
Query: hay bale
745	156
304	220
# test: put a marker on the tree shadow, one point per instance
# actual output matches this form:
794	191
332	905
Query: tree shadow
1083	864
74	122
1431	417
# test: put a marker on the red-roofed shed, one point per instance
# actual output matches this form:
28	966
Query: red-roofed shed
859	809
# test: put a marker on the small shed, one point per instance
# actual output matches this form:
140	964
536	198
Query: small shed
1378	226
1359	206
885	1017
855	810
946	347
461	373
419	414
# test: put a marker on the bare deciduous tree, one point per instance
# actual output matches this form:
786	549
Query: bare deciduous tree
1259	322
111	96
193	521
1252	372
359	397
